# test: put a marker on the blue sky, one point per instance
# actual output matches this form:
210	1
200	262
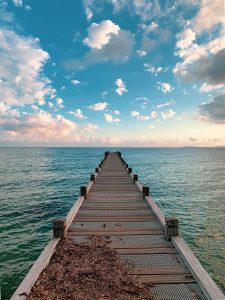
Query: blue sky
112	73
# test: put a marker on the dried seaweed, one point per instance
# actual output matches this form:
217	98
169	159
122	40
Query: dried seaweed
88	271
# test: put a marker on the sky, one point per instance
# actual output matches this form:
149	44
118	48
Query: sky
112	73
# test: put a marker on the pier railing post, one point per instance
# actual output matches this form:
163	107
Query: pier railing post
129	170
145	191
92	177
83	191
106	153
97	170
135	177
59	228
171	228
119	154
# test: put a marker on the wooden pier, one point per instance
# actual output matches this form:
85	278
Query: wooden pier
114	204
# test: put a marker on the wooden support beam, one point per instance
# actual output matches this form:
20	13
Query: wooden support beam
59	228
171	228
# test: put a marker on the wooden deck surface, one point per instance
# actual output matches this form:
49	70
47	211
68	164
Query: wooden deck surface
115	209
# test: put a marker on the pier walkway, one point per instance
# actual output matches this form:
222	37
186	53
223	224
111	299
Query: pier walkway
114	205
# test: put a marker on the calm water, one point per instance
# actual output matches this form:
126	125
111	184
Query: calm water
39	184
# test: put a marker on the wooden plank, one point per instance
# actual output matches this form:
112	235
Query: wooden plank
176	270
118	231
32	276
139	246
88	207
210	289
153	250
85	218
157	279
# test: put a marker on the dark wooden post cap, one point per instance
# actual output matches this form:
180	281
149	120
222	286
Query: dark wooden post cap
100	165
129	170
171	228
96	170
119	153
59	228
107	153
92	177
135	177
145	191
83	191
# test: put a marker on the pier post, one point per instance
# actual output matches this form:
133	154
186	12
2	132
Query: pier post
96	170
106	153
126	166
59	228
83	191
92	177
171	228
135	177
129	170
119	154
145	191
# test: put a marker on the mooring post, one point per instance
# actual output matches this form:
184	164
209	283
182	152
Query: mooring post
100	165
135	177
126	166
92	177
106	153
171	228
97	170
59	228
145	191
83	191
119	154
129	170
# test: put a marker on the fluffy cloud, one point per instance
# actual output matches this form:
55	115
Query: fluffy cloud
203	61
22	61
141	53
78	114
146	9
98	106
151	69
18	3
138	116
59	102
121	88
164	87
168	103
75	81
168	114
149	28
107	41
213	111
154	114
211	13
100	34
109	118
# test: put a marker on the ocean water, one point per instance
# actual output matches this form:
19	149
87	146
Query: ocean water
40	184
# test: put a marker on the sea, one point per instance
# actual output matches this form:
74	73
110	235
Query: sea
40	184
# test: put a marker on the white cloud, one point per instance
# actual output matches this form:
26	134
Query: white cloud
89	13
121	88
207	88
168	114
109	118
59	102
107	41
141	53
168	103
151	69
98	106
75	81
100	34
116	112
50	104
185	39
104	94
211	13
27	7
78	114
154	114
18	3
164	87
152	127
149	28
91	127
146	9
22	61
138	116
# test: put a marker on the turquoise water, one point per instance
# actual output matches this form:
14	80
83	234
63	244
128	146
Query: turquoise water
39	184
